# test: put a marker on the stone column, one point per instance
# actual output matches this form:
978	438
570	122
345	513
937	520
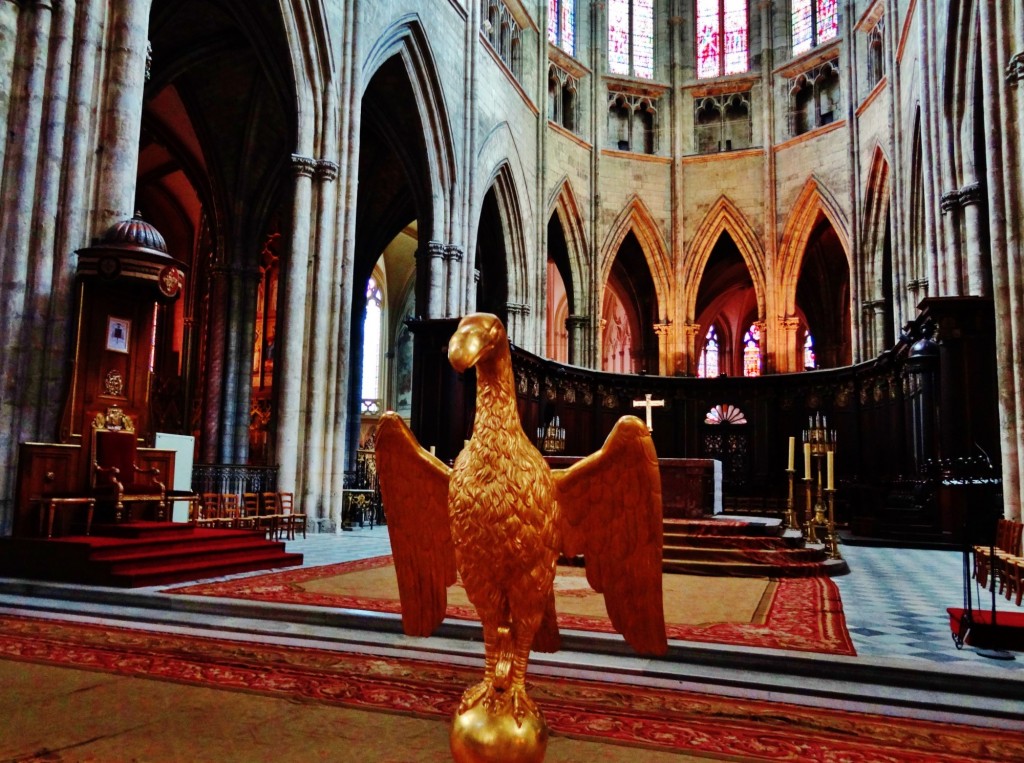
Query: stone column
23	138
790	357
248	289
453	290
665	361
316	419
121	111
292	333
9	10
435	279
575	326
690	356
970	198
209	451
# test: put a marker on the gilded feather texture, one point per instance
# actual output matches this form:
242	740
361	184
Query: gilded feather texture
501	517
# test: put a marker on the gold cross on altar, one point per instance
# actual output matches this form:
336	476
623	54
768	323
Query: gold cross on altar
648	404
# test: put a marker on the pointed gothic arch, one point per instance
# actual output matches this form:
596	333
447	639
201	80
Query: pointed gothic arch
407	39
565	204
502	199
876	290
636	218
723	217
814	202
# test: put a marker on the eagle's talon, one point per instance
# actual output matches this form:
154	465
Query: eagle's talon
522	705
483	691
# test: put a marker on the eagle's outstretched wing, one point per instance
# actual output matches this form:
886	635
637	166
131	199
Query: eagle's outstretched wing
610	511
414	488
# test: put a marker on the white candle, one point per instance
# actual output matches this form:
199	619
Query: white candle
792	446
807	460
829	463
433	450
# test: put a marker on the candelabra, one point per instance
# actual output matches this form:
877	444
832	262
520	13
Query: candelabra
819	483
551	438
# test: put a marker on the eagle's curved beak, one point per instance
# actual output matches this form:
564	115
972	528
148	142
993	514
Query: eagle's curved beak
471	339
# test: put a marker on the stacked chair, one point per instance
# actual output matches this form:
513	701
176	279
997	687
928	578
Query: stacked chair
1002	562
271	513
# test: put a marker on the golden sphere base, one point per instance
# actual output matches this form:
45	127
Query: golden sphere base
480	736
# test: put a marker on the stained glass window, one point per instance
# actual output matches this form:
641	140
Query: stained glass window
631	38
708	366
814	22
371	344
721	37
562	24
752	351
809	360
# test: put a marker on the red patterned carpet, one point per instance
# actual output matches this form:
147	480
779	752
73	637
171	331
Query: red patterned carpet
680	721
802	614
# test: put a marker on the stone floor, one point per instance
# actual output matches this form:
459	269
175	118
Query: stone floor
895	602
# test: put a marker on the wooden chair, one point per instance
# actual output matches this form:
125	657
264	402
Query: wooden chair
116	478
269	517
209	509
250	514
291	520
230	510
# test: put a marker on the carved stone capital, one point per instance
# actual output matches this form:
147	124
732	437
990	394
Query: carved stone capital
949	201
303	166
1015	69
326	170
517	308
453	253
972	193
577	321
662	329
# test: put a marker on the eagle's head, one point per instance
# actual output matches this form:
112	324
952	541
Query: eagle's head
477	335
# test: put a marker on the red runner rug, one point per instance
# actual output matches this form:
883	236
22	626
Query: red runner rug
697	724
801	614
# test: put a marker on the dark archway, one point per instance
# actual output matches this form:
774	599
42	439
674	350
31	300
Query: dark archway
630	305
218	126
492	260
823	295
727	300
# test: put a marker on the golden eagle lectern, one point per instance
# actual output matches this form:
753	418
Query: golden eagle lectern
500	518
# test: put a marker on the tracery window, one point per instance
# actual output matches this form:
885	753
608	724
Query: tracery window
632	122
372	347
814	22
722	37
707	368
814	98
752	351
563	100
722	122
810	361
562	24
631	38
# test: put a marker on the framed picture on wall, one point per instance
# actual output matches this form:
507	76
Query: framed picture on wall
118	330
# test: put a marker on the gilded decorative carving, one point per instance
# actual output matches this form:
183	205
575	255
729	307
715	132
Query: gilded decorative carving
113	383
844	395
498	520
114	418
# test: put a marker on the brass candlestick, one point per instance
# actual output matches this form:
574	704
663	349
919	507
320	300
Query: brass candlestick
792	523
810	532
831	539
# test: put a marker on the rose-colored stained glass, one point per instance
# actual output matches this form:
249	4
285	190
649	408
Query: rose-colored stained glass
735	36
752	351
553	22
722	33
709	52
827	23
643	38
568	29
708	367
809	360
618	36
803	26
